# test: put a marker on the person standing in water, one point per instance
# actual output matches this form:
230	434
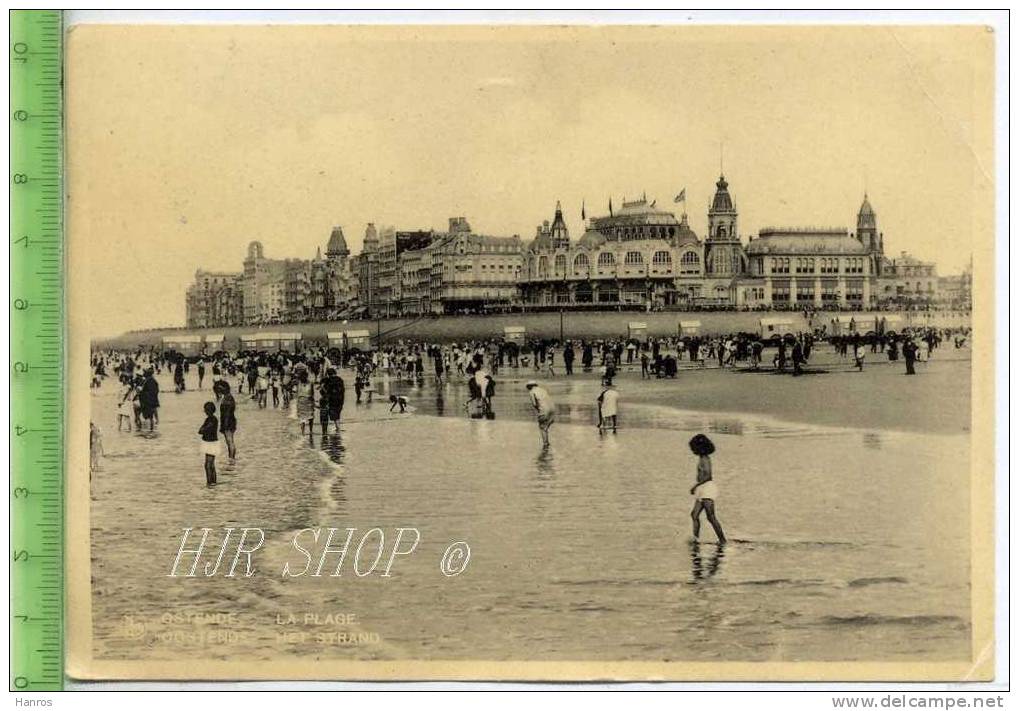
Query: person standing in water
148	399
705	491
305	401
209	432
608	408
544	407
859	355
227	417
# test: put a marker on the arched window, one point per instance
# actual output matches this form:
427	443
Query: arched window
605	259
580	263
543	266
633	259
662	258
560	263
690	262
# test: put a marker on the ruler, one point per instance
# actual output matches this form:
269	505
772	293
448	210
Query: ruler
37	351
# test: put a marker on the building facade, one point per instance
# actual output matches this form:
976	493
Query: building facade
213	299
908	281
799	268
638	256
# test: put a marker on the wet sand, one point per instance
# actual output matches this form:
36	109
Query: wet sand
847	543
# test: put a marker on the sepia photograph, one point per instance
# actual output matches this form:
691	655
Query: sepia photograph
535	353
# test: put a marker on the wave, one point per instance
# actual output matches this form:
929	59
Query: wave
893	620
864	582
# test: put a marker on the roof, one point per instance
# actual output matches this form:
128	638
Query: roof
592	239
684	234
337	243
722	201
865	208
805	241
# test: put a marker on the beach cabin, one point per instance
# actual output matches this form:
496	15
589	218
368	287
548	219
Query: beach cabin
636	329
249	341
689	328
514	334
184	344
892	323
362	340
772	326
289	341
214	342
847	326
335	339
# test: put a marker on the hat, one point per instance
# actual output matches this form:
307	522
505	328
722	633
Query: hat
530	383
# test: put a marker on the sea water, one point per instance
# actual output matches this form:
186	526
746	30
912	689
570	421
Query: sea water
845	544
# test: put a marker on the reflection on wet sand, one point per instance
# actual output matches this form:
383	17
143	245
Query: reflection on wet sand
812	511
700	569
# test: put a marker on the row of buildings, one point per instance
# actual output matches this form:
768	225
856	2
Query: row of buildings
637	256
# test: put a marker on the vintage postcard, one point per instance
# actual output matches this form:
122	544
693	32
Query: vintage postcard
530	353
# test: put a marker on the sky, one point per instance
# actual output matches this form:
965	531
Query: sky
187	143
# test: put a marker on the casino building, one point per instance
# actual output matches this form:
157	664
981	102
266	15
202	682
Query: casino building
810	267
639	256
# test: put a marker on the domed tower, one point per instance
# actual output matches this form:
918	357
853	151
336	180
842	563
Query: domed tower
722	214
867	234
558	231
724	255
866	227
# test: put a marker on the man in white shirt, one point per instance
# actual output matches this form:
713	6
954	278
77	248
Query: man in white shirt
543	406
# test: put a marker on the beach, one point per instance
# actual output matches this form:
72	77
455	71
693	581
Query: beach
845	496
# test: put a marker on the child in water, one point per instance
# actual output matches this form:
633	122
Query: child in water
398	401
704	491
608	407
210	442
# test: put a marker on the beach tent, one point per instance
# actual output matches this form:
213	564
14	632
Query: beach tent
777	326
289	341
249	341
214	342
359	339
514	334
847	325
689	328
184	344
335	339
268	340
891	323
636	329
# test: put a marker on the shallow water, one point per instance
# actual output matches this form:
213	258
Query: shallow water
845	544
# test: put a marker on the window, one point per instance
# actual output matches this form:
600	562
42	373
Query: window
780	294
560	263
662	258
605	259
690	263
543	267
580	263
633	259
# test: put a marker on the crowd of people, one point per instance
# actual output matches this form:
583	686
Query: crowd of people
310	387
